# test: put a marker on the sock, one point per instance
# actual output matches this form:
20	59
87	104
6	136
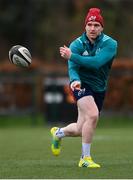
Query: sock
60	133
86	149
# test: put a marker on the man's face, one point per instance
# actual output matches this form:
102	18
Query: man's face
93	29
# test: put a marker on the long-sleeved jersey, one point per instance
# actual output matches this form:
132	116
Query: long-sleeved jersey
91	63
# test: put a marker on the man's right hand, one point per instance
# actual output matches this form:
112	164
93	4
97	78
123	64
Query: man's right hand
75	85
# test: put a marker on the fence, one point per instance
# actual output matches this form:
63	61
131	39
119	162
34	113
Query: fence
34	92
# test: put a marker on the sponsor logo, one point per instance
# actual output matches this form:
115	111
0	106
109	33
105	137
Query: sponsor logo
81	92
85	53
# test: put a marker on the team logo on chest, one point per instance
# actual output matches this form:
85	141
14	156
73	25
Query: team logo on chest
97	50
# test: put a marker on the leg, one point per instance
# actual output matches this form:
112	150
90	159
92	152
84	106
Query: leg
87	120
90	111
88	107
73	129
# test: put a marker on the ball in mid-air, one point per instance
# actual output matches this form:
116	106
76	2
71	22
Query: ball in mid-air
20	56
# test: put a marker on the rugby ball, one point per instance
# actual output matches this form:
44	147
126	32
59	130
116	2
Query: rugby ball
20	56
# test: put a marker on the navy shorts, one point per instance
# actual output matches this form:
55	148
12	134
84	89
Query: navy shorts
87	91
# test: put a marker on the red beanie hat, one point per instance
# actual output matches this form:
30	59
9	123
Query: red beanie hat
94	14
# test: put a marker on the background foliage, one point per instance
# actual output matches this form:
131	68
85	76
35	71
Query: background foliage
44	25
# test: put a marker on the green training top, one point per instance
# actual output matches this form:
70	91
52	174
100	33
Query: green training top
91	63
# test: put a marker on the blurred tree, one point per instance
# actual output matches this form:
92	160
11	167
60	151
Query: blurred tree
16	24
44	25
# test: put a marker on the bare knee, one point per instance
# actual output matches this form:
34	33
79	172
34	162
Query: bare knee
92	118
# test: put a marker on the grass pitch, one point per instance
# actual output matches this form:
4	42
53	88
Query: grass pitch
25	153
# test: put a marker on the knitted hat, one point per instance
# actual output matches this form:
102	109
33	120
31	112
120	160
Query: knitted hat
94	14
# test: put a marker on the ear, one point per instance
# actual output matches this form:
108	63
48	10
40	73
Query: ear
102	28
86	28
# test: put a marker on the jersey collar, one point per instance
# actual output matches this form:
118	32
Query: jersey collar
86	40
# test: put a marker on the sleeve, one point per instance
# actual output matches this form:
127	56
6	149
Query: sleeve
106	54
73	68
